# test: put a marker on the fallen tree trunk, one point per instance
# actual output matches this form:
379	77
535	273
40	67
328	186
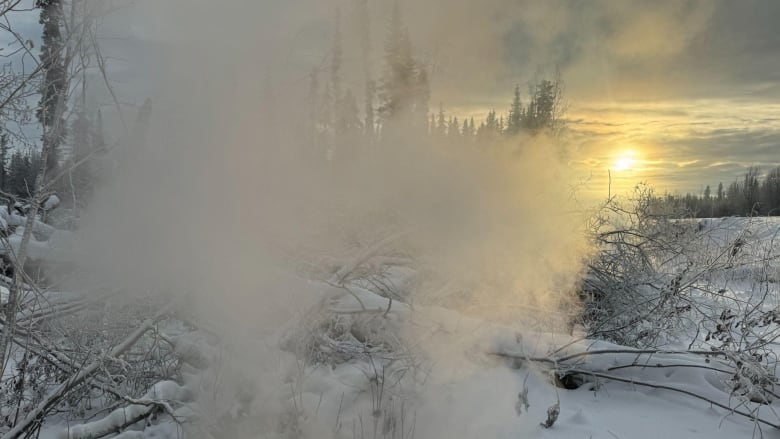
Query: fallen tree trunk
123	417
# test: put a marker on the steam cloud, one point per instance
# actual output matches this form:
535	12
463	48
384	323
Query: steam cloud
219	196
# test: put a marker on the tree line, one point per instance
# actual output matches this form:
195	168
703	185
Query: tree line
544	112
397	102
752	195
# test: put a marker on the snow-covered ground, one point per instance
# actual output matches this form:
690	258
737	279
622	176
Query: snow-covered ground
452	384
360	365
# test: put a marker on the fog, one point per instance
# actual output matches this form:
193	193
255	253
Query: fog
221	203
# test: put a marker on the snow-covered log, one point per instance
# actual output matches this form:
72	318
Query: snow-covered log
158	397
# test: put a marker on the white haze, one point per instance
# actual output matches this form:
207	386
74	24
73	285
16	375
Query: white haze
218	202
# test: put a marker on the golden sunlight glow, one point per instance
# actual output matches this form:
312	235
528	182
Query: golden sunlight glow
626	161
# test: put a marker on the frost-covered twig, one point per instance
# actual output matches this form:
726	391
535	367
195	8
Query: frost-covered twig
340	276
35	415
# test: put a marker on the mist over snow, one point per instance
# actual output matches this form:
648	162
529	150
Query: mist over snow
357	219
220	192
219	203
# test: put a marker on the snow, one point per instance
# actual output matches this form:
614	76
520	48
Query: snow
51	202
161	392
56	247
432	372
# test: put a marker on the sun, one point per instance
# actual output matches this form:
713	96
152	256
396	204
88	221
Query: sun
626	161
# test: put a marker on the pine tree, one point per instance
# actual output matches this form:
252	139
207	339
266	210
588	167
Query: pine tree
514	120
344	106
54	80
441	122
22	172
421	95
750	189
16	174
404	91
488	129
491	123
735	199
454	128
770	191
81	176
545	110
720	202
481	132
391	92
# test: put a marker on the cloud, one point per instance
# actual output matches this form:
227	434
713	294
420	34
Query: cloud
635	71
655	30
681	80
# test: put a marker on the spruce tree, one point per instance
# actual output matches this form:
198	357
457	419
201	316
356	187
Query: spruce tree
81	150
22	172
54	80
404	91
454	128
491	123
441	122
421	95
514	120
750	189
16	174
391	93
771	192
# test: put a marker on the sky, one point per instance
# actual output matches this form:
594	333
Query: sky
678	93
